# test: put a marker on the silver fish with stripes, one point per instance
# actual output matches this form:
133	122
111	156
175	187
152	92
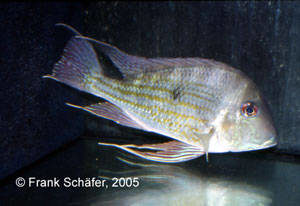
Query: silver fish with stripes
202	106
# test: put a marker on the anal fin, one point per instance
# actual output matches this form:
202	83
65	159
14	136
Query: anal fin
110	111
168	152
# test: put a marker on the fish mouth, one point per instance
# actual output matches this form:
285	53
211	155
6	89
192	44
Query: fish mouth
269	143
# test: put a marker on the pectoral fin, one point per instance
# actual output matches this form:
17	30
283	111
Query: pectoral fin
110	111
168	152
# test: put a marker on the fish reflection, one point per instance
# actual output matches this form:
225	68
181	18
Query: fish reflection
173	185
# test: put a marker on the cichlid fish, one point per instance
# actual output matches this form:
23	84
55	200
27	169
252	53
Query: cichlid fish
202	105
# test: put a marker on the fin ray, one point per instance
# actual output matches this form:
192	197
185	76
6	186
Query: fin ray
131	65
68	27
110	111
168	152
77	62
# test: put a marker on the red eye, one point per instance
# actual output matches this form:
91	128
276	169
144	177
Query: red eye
249	109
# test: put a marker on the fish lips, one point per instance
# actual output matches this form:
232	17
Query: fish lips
271	142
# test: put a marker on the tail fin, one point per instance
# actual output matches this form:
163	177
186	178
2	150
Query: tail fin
79	60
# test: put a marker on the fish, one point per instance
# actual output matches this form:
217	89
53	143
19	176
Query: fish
200	105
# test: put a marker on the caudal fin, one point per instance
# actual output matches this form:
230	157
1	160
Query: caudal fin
79	60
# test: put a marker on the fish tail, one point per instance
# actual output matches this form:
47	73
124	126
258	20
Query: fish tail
78	63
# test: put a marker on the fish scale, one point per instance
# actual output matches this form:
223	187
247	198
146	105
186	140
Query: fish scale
156	110
162	113
201	104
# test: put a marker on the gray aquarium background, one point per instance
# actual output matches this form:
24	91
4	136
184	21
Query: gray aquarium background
42	137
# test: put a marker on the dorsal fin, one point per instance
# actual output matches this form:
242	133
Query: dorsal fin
69	27
130	65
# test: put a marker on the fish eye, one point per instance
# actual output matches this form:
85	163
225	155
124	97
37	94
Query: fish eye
249	109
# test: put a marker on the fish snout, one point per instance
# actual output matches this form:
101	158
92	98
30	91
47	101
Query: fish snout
271	142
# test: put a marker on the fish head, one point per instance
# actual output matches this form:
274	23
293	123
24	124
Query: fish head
246	122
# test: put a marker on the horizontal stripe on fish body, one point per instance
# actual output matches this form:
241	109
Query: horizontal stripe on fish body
193	100
152	97
154	114
151	101
174	122
149	89
190	91
159	81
